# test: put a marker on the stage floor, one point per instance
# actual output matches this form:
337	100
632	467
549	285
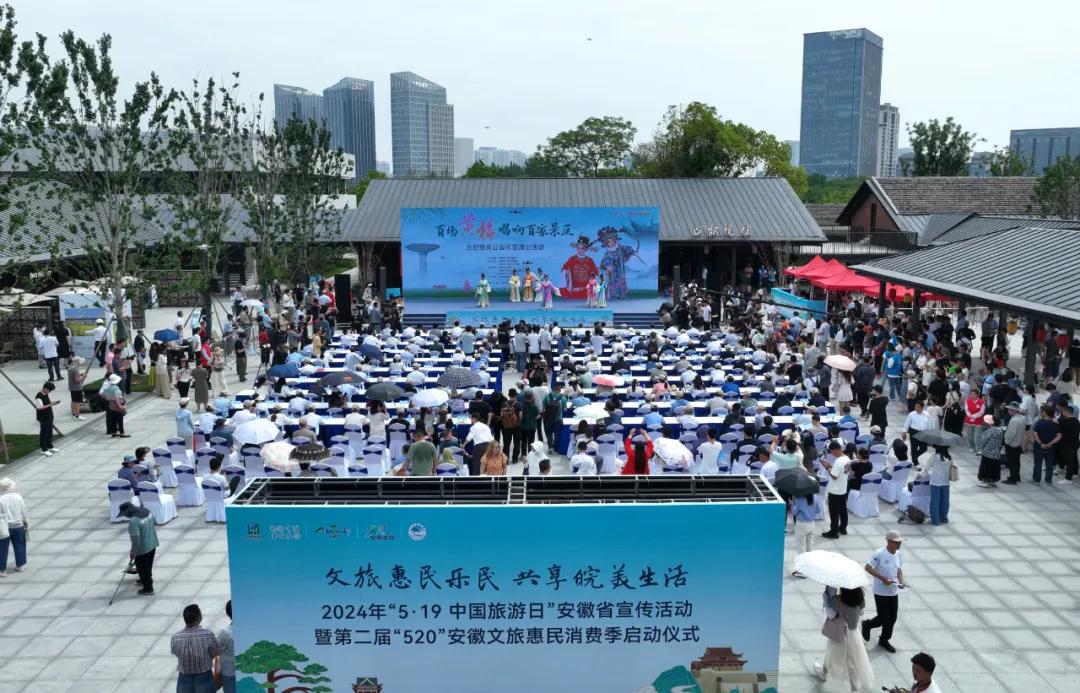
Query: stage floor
566	312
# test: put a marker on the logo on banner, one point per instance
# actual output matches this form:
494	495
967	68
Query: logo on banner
254	530
285	532
333	532
417	531
379	533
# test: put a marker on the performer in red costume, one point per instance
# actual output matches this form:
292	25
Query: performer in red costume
577	271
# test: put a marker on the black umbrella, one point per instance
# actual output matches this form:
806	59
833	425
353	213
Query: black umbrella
938	437
384	392
338	378
309	452
796	482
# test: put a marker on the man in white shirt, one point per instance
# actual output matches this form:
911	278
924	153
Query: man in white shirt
583	462
49	350
101	341
709	454
479	436
836	464
885	567
245	414
216	475
916	420
355	418
416	377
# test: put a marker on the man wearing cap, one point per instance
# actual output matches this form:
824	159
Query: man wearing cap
144	543
885	567
837	489
75	378
1015	433
115	407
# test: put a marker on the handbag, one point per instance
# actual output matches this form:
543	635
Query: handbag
118	405
954	472
835	629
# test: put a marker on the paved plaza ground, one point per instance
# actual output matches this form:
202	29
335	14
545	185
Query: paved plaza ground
992	593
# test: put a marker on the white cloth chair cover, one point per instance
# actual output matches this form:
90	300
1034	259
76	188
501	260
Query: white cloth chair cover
357	469
270	472
179	451
253	466
164	460
374	462
864	502
823	482
190	494
202	461
821	440
848	431
920	495
878	461
894	482
446	470
340	464
343	451
215	500
235	470
355	436
399	437
729	441
607	449
321	469
161	505
120	492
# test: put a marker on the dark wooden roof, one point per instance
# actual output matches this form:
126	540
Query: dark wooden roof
933	195
825	213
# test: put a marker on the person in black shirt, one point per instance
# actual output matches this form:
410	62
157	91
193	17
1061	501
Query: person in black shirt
999	394
480	408
1070	437
878	407
45	418
860	467
794	371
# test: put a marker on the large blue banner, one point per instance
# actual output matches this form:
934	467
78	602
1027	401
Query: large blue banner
610	250
628	598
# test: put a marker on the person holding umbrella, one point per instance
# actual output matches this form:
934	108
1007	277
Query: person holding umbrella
885	567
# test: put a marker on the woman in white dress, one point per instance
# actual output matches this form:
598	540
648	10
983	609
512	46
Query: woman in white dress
846	667
841	388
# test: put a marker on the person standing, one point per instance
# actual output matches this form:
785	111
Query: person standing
974	410
195	648
1046	435
144	543
44	407
162	382
101	341
836	490
1069	444
115	407
804	512
1015	433
916	421
554	405
50	351
991	451
530	420
846	666
200	379
864	382
480	437
240	354
75	378
226	663
878	409
885	566
17	521
63	343
940	470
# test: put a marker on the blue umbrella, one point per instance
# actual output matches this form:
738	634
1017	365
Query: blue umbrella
294	357
372	352
283	370
167	336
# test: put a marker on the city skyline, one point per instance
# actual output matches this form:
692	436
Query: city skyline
524	97
421	126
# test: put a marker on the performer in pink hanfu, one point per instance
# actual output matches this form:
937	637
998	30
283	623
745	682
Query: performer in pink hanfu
549	291
590	292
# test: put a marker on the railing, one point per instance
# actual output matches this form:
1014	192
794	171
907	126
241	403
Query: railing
873	242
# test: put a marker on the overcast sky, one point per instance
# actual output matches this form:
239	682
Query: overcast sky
518	71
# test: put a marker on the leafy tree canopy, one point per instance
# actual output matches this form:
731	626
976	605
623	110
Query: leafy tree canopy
940	148
1006	162
1057	193
822	189
265	656
596	144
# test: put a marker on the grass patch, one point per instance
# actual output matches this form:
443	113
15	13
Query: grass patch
22	444
138	384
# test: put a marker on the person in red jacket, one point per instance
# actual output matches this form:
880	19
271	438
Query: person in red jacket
974	409
637	454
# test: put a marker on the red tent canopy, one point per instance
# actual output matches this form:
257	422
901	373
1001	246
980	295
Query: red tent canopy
846	280
828	269
814	264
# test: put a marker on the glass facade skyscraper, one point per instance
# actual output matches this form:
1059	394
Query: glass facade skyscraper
841	93
350	116
422	127
1043	146
289	101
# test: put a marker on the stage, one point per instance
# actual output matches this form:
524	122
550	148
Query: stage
444	311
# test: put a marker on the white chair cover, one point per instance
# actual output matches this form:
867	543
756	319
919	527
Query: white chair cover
270	472
340	464
343	451
164	460
235	470
179	451
848	431
119	493
190	494
161	505
357	470
215	500
373	461
446	470
607	449
321	469
920	495
729	441
253	466
399	437
823	482
895	482
202	461
355	436
864	502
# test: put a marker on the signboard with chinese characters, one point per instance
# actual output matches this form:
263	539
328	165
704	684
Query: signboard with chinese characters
622	598
445	250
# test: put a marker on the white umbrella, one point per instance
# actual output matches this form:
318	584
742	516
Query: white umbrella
255	432
591	411
324	300
832	569
672	452
840	362
276	455
252	303
430	398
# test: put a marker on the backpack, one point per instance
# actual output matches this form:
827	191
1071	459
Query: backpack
508	416
552	408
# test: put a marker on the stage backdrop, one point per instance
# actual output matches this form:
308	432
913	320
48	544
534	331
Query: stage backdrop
444	250
649	598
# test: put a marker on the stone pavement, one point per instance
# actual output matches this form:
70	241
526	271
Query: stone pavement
992	592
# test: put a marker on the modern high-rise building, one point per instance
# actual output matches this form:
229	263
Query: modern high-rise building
794	146
421	127
304	104
463	155
350	116
888	159
841	93
1043	146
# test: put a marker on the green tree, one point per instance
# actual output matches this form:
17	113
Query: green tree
100	147
822	189
361	187
595	144
210	146
694	141
1006	162
940	148
1057	192
481	170
281	662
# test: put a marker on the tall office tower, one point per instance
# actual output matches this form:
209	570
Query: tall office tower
1041	147
841	92
888	159
350	115
463	155
794	145
421	127
289	101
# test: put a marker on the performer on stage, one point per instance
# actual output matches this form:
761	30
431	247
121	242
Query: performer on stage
483	290
528	285
590	291
614	261
601	291
515	287
549	290
538	282
577	270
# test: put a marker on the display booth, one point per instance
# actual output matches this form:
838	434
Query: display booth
622	584
80	309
